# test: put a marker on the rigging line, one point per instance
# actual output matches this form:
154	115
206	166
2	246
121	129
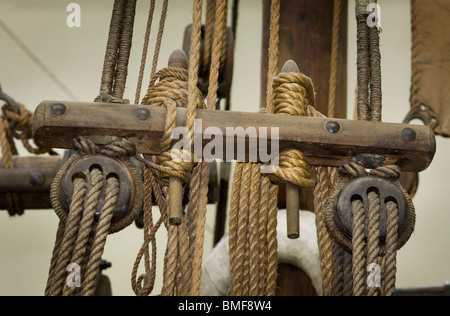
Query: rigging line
37	61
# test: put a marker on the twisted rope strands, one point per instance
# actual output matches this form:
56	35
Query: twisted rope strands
334	58
101	233
321	193
242	239
210	17
224	41
272	257
348	276
170	259
8	148
363	67
273	51
337	286
194	64
359	262
170	263
220	25
375	74
254	273
124	50
185	259
233	225
112	47
391	249
162	23
373	243
262	233
54	260
84	230
55	283
200	219
204	168
143	285
144	51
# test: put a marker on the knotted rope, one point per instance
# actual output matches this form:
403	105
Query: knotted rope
81	238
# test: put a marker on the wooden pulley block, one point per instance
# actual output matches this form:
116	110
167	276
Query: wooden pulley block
358	189
226	71
110	167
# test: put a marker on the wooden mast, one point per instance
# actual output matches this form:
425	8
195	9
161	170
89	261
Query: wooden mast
306	37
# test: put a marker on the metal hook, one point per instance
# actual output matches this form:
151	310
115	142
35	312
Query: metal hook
11	103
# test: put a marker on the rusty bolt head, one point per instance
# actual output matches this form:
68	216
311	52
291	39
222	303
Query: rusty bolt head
409	135
58	108
142	114
37	179
333	127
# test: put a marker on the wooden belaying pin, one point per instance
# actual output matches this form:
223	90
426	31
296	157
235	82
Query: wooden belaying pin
292	210
177	59
175	201
292	190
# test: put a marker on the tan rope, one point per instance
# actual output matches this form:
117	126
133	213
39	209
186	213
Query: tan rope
101	233
359	262
321	193
144	284
334	58
23	129
207	39
273	51
80	239
373	242
7	147
144	51
92	199
162	23
233	225
253	271
264	204
272	258
56	279
390	265
219	32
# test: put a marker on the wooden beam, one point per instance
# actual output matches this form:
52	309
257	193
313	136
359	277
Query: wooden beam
31	180
31	174
324	142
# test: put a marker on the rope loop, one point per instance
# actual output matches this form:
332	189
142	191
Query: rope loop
293	95
21	127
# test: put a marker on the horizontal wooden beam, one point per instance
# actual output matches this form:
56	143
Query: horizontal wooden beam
31	174
31	180
324	142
